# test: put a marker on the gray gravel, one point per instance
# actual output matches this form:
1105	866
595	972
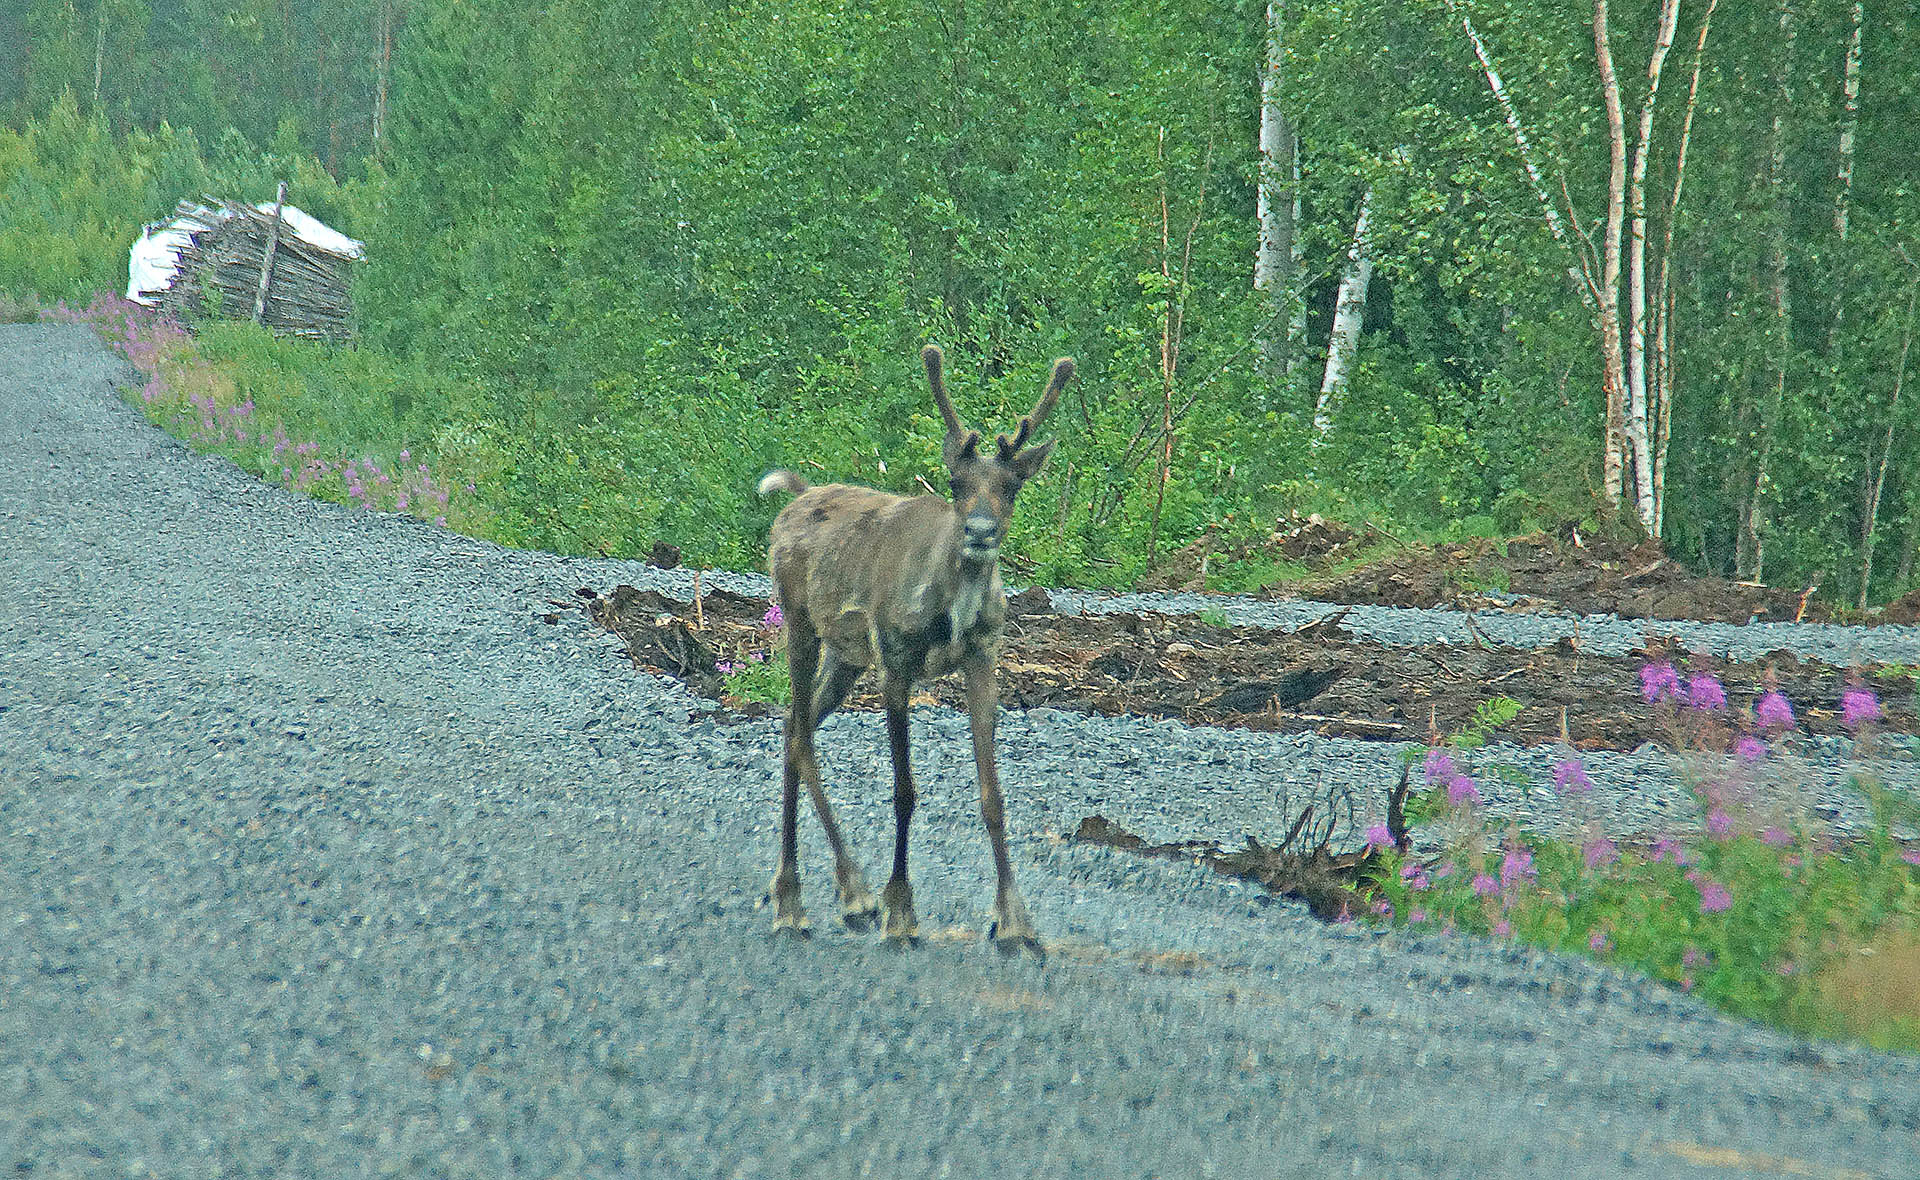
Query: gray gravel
321	855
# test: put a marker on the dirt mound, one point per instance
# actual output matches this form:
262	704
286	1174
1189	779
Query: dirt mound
1585	575
1321	678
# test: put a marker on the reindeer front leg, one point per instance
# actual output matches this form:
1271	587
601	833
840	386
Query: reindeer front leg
1012	928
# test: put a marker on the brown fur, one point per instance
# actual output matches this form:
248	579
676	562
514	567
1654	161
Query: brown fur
909	588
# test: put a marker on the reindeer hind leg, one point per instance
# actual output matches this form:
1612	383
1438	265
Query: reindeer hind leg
829	686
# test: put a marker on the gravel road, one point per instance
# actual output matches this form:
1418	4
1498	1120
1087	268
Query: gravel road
321	855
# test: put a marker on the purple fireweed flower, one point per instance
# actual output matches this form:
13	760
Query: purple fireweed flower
1910	855
1439	767
1693	957
1705	693
1776	837
1750	748
1719	824
1787	967
1773	712
728	667
1415	876
1599	852
1461	791
1858	706
1502	928
1599	943
1659	681
1417	916
1485	885
1571	776
1379	837
773	618
1714	897
1383	908
1517	864
1667	846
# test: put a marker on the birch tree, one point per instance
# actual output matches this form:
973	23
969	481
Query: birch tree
1633	437
1348	312
1277	204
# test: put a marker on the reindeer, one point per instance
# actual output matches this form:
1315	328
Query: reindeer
909	587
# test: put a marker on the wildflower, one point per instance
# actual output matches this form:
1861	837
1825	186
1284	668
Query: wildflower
1518	863
1787	967
1503	929
1460	790
1570	775
1910	855
1705	693
728	667
1439	767
1750	748
1775	837
773	619
1599	943
1417	916
1858	706
1415	876
1658	681
1383	908
1693	957
1485	885
1379	837
1773	711
1719	824
1714	897
1599	852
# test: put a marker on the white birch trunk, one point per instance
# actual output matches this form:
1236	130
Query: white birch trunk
1581	282
1613	367
1275	203
1778	346
1348	311
1843	197
1638	435
1662	393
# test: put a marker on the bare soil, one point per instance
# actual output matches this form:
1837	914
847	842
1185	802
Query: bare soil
1321	679
1566	570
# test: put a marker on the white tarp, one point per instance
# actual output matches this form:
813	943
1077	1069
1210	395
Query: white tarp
154	261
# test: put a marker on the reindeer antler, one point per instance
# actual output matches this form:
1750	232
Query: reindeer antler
933	358
1062	373
960	440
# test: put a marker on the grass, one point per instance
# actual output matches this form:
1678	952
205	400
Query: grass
234	390
1763	910
757	670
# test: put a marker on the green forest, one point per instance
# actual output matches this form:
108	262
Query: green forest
1458	268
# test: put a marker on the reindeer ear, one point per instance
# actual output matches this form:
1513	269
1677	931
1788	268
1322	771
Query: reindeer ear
1027	463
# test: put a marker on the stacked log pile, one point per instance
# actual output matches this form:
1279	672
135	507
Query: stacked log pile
220	274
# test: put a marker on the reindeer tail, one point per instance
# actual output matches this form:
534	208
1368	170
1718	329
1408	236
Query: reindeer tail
782	481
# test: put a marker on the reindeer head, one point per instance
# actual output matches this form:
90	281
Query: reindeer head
984	486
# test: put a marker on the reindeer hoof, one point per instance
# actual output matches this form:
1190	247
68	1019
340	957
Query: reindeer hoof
860	916
791	922
1013	942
